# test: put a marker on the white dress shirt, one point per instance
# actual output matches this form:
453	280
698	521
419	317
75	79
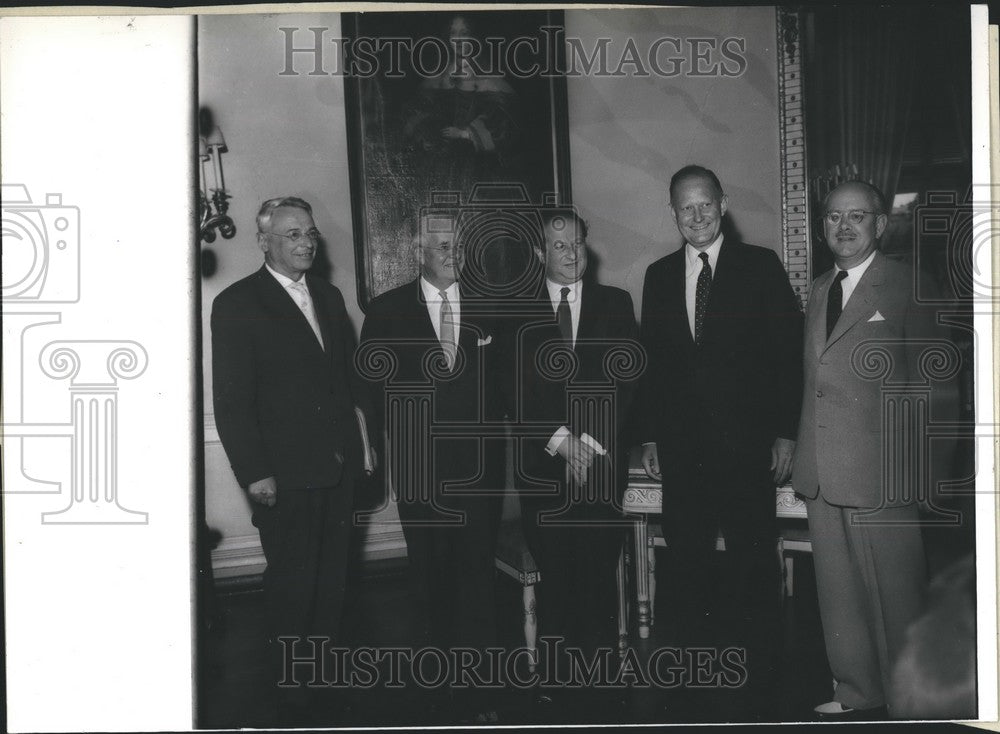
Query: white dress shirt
573	298
432	297
849	283
693	270
302	298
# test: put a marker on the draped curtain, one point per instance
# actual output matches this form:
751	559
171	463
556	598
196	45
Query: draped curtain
859	76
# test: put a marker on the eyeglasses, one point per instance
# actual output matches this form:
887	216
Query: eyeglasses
296	235
855	216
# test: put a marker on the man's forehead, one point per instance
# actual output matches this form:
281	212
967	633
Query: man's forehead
850	196
433	239
291	215
696	185
560	228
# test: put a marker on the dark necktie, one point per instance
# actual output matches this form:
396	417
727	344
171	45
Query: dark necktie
448	331
834	302
564	317
701	296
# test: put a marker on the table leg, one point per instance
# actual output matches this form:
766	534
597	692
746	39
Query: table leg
642	576
530	625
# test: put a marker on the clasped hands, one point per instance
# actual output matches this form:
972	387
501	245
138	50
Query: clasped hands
579	456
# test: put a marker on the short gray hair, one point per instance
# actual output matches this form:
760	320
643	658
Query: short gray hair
267	209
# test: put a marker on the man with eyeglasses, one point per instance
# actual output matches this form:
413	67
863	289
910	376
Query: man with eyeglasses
573	459
448	488
722	329
285	391
851	461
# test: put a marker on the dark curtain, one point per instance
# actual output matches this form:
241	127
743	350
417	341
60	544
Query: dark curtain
859	74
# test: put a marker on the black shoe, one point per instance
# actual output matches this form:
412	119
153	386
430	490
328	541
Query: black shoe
836	711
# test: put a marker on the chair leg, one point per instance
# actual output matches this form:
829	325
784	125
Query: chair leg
651	561
530	624
620	576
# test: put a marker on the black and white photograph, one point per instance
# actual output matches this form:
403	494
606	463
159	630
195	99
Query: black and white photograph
479	367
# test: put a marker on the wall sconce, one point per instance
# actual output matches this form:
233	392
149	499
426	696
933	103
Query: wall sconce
213	201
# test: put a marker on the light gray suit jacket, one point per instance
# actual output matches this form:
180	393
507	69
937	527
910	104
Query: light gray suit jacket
886	352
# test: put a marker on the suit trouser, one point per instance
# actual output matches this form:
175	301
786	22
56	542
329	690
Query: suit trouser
306	538
576	598
737	592
450	574
871	581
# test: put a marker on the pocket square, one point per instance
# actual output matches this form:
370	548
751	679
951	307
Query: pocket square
484	342
876	317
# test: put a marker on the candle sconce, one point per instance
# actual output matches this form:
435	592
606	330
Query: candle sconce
213	201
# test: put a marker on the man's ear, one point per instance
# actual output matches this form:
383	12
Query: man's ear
724	204
262	242
673	212
881	222
540	254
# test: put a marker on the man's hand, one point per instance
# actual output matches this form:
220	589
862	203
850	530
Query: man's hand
578	455
781	459
264	491
454	133
651	462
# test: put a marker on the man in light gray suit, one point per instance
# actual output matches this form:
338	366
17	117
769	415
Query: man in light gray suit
859	449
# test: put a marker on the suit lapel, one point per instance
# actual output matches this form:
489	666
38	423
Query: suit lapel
861	302
322	308
275	295
676	289
424	324
589	314
816	312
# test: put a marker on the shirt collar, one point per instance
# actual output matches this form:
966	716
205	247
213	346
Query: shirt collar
555	291
434	294
858	270
284	280
693	258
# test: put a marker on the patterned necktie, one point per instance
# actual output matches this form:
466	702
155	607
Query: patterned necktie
834	302
448	331
300	293
564	317
701	296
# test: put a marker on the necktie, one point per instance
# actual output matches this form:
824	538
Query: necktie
701	296
834	302
564	317
448	331
300	294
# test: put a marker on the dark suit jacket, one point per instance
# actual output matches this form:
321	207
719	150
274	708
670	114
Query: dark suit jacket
284	406
741	388
605	359
398	324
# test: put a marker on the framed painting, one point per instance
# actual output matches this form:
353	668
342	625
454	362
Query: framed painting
461	113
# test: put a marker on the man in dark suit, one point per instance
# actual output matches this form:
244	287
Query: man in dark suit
577	360
858	460
448	489
722	330
285	393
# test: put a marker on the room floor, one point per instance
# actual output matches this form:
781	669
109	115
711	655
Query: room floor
234	691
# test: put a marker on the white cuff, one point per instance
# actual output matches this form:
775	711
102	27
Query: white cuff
556	441
594	444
